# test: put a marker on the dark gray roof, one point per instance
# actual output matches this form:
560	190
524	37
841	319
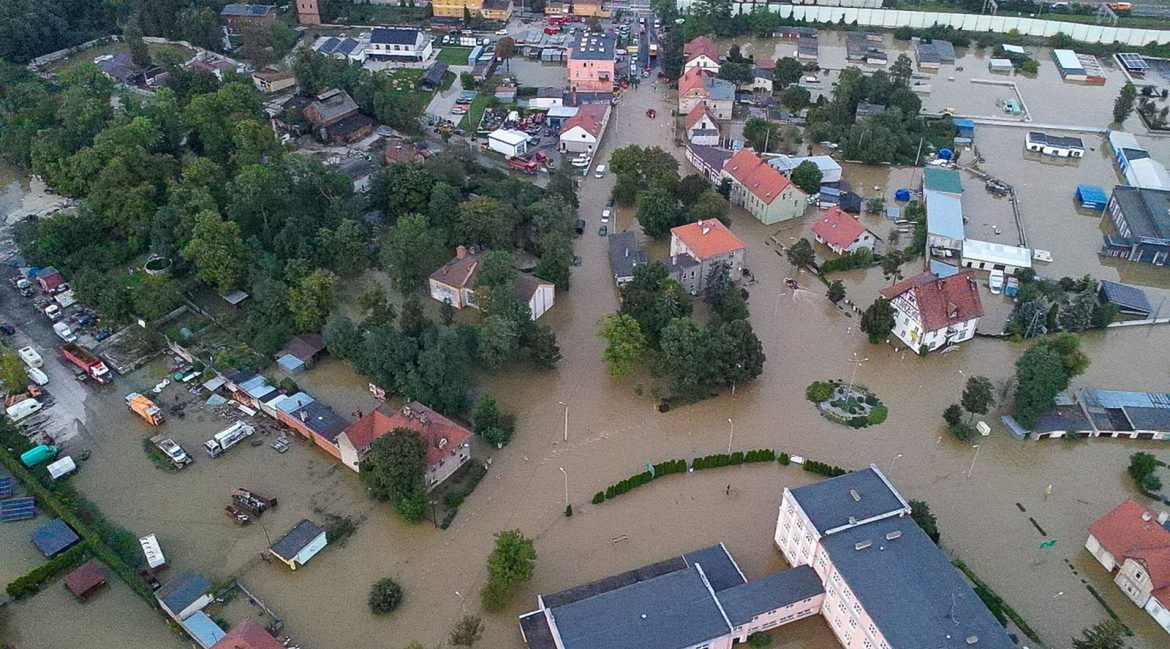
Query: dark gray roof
910	590
434	73
119	67
355	169
927	53
180	592
945	50
1062	418
711	156
676	263
865	109
54	537
296	539
247	10
593	47
336	103
1056	140
672	610
318	418
830	504
777	590
717	564
537	635
613	582
625	254
1148	418
1146	211
1129	299
394	35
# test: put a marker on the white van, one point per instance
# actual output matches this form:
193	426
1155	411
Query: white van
30	357
18	411
64	332
37	376
599	172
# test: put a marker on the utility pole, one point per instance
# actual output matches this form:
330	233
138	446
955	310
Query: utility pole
566	484
973	458
731	436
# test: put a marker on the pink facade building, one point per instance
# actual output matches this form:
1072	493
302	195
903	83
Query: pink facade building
592	63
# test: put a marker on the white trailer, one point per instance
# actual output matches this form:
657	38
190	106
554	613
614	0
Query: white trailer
227	438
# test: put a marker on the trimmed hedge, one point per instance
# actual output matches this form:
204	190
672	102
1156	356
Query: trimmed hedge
736	458
820	468
784	459
31	584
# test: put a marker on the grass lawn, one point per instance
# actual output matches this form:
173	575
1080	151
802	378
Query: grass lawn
453	54
475	112
404	79
115	48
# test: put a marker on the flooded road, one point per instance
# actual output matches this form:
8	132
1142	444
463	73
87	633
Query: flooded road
613	432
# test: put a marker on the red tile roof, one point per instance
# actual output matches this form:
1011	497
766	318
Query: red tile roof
247	635
692	79
760	178
457	272
707	239
441	433
838	228
766	64
697	114
700	46
941	302
84	579
588	117
1131	531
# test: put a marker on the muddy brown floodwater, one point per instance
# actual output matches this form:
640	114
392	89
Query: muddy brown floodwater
985	517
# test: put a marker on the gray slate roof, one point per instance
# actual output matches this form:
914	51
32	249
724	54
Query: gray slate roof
1129	299
593	47
180	592
1056	140
394	36
720	89
335	105
1146	211
247	10
910	590
718	566
829	504
625	254
777	590
296	539
673	610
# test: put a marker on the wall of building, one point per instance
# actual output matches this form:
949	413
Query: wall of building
310	550
443	470
891	18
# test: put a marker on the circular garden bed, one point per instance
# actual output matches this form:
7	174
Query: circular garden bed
854	406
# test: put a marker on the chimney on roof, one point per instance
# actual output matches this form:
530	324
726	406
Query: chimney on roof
1162	516
861	545
1146	516
304	416
460	252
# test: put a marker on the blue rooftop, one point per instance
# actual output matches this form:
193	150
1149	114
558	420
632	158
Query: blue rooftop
944	215
717	564
54	537
247	10
858	496
909	588
1092	193
294	402
777	590
942	270
182	591
1129	299
201	627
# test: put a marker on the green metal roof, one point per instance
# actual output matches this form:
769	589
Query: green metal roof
943	180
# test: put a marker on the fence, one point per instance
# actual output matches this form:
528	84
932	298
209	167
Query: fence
892	18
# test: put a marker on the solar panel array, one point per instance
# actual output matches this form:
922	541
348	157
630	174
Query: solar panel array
6	486
1132	61
17	509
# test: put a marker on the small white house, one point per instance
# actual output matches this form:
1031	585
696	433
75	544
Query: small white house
842	233
508	142
299	544
582	132
932	312
538	294
984	255
701	126
1054	145
399	44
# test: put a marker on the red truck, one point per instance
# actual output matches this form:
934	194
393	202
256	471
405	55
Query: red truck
523	165
84	359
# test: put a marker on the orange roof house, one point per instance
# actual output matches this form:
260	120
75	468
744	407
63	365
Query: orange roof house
247	635
841	232
701	53
698	247
761	189
448	443
1135	541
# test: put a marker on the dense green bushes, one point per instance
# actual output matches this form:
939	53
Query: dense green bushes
30	584
820	468
723	459
861	258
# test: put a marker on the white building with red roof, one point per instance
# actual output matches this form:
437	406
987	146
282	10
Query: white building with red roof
842	233
582	132
1135	541
454	282
701	53
448	443
931	312
709	243
761	190
701	85
702	129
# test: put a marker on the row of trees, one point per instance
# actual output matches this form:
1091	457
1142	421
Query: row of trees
1047	306
653	326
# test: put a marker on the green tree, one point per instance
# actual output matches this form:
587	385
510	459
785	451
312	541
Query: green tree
556	258
312	299
800	253
788	71
795	98
892	265
762	135
953	415
625	344
877	320
132	36
920	513
487	221
1123	106
638	169
346	247
836	291
411	250
807	176
737	354
217	251
978	395
1141	468
343	339
385	596
513	560
1109	634
377	309
154	296
710	205
12	374
469	629
1040	376
487	414
902	70
685	360
542	347
495	269
393	470
658	212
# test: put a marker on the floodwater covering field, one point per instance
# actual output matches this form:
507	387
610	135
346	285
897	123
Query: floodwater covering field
984	512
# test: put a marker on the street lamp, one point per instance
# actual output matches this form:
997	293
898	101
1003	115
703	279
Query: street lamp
731	436
973	458
892	463
566	484
856	364
566	419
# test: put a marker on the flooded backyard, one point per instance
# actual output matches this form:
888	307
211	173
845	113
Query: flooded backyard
613	432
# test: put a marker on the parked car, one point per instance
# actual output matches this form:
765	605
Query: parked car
501	32
580	227
459	110
995	282
603	230
605	214
30	357
37	376
7	329
599	172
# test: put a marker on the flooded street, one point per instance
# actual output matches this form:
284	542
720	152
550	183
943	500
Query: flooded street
613	432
